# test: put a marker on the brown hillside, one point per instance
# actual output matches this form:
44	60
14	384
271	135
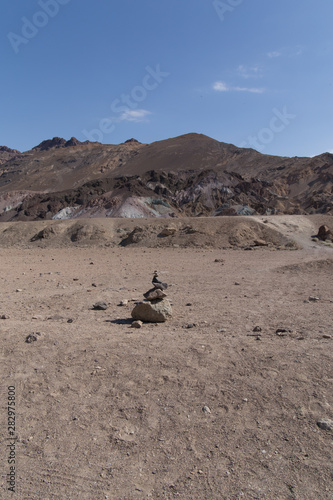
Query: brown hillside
190	175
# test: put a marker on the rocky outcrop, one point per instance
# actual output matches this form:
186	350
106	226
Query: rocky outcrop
324	233
7	154
56	142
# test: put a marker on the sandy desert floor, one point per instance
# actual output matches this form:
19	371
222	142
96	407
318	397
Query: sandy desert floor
215	411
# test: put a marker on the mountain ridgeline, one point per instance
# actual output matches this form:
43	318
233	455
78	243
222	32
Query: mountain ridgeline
189	175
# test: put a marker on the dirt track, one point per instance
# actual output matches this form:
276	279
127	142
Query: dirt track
107	411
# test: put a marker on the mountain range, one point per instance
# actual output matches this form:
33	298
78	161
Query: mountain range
189	175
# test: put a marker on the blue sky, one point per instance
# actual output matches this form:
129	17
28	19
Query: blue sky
255	73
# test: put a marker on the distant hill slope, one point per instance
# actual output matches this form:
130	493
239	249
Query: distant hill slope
189	175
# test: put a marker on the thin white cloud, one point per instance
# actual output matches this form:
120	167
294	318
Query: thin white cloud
274	54
223	87
135	115
220	86
250	71
295	51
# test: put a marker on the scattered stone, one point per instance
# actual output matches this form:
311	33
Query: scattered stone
70	320
31	338
325	424
137	324
123	302
325	336
168	231
100	306
155	294
221	330
314	299
189	304
190	230
219	260
156	311
189	325
56	317
19	290
283	332
4	316
94	285
237	283
260	243
257	329
206	409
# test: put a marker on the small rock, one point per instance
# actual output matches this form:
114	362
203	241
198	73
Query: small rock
221	330
4	316
123	302
189	304
327	336
257	329
206	409
325	424
31	338
155	294
260	243
19	290
94	285
100	306
282	332
70	320
168	231
137	324
237	283
314	299
189	325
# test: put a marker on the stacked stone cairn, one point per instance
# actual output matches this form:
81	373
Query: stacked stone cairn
155	308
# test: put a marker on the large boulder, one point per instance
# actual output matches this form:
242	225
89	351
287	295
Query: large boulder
324	233
156	311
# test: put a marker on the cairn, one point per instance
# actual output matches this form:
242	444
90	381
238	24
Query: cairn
155	308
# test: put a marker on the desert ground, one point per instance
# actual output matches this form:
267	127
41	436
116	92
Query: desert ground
222	401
